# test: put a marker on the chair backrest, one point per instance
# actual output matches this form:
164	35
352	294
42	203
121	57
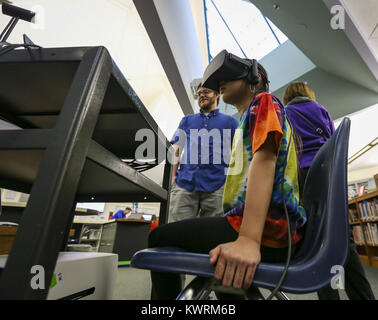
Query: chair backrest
325	198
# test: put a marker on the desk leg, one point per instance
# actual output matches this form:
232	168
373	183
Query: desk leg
68	228
164	205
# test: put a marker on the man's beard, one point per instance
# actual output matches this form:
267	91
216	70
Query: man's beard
206	107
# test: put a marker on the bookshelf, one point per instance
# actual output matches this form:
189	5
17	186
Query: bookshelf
363	218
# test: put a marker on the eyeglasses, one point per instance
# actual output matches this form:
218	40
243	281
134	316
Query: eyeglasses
205	92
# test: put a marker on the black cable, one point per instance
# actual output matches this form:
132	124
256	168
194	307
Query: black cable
6	28
11	47
288	224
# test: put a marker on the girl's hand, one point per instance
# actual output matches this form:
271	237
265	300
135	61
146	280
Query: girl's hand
236	262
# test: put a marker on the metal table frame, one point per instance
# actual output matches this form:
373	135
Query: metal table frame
67	149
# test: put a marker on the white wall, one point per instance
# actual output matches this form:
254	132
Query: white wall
366	173
179	26
285	64
363	130
200	24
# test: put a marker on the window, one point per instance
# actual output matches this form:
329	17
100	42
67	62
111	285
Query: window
240	28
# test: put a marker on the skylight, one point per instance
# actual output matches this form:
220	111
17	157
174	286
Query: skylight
240	28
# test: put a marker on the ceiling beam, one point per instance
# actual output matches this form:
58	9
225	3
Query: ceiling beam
308	25
150	17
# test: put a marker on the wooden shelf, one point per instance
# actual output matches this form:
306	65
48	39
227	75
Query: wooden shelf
374	262
370	249
372	220
364	260
363	221
364	197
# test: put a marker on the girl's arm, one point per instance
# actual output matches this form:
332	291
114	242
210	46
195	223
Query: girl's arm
236	261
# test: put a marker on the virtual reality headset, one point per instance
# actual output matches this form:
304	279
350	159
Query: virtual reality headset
228	67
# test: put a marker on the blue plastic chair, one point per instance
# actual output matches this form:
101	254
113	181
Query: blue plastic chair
325	243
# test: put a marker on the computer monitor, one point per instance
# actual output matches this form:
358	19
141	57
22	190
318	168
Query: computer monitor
147	217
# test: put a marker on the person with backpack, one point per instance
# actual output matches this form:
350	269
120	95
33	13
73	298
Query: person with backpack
314	125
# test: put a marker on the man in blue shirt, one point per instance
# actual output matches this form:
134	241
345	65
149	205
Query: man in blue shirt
121	214
206	138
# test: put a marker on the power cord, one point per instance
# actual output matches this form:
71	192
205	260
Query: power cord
11	47
288	259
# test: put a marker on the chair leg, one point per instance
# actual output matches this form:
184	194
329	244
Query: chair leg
223	293
281	296
198	289
253	293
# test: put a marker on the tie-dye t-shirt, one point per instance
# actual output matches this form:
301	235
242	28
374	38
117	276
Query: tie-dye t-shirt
266	114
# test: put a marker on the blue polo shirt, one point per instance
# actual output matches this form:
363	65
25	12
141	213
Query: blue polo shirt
119	215
206	141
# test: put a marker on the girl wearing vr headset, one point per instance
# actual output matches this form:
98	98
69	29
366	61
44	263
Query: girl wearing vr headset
262	180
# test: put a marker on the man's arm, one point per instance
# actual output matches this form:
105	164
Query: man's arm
175	144
176	162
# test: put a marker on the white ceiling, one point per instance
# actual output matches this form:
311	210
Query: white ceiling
365	17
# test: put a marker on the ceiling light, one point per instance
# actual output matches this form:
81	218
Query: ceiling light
276	6
359	153
374	142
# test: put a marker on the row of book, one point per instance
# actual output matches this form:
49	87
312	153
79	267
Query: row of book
353	216
371	233
369	209
358	235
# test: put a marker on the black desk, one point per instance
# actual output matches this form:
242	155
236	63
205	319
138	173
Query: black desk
131	236
12	213
73	105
